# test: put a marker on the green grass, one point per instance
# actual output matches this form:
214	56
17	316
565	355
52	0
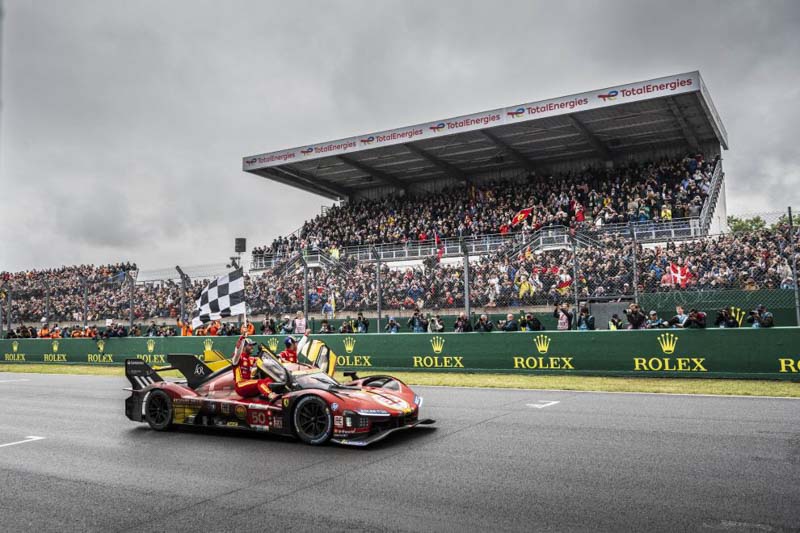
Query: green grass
740	387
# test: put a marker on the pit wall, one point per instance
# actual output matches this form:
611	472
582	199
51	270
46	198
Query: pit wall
734	353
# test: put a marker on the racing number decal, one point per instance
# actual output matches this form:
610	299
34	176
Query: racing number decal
257	418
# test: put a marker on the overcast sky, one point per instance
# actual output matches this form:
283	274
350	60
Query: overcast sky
124	123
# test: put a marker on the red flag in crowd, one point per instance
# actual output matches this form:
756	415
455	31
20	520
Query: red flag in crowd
680	274
439	247
521	216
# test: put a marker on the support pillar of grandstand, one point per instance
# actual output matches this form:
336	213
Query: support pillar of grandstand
793	240
377	256
577	309
635	263
465	252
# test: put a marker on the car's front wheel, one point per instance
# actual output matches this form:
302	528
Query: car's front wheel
312	419
158	410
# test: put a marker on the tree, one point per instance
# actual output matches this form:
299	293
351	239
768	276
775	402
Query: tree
737	224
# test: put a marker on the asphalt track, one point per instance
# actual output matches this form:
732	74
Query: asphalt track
601	462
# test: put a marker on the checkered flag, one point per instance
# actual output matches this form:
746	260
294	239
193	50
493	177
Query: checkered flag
223	297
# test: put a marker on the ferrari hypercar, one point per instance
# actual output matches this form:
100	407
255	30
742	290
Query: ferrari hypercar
306	401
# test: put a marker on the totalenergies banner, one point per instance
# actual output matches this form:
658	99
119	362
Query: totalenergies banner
622	94
743	352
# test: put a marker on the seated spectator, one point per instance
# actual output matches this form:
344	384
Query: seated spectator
679	319
654	322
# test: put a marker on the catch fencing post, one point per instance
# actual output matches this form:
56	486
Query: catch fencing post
47	301
465	251
2	318
85	283
635	264
378	283
8	308
793	239
576	311
132	289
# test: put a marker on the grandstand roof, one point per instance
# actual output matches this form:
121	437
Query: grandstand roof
600	124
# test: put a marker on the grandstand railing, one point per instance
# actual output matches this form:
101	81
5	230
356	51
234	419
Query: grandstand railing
543	238
710	205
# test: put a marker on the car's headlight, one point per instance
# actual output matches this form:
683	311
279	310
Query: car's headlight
373	412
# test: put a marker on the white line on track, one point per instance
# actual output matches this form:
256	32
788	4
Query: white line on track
27	439
723	396
541	404
12	380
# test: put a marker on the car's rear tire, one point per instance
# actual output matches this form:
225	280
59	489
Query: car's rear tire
158	410
312	420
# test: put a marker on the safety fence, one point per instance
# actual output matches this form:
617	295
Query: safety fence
735	353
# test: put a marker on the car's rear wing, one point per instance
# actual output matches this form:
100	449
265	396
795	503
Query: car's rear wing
140	374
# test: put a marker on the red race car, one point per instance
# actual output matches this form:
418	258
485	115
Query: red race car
306	401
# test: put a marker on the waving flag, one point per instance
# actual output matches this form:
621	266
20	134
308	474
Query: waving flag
521	216
222	297
680	274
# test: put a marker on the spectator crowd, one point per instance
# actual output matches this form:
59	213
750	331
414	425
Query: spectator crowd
660	191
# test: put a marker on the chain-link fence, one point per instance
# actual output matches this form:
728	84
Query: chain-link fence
726	276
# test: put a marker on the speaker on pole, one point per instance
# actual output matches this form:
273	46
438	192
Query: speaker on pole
241	245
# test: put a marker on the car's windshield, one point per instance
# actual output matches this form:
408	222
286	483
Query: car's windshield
317	380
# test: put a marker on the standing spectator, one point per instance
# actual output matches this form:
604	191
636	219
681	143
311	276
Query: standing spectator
695	320
531	323
636	318
761	318
325	326
725	319
510	324
484	325
435	324
362	324
564	317
585	320
268	326
462	324
417	323
679	319
392	326
299	325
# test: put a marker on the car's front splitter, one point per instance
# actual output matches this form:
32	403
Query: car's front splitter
371	439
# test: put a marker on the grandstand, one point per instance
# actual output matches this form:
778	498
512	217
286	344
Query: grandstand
602	129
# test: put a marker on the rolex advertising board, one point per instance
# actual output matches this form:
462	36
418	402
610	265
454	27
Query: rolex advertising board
743	352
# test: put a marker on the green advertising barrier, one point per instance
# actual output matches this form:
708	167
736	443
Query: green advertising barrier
744	353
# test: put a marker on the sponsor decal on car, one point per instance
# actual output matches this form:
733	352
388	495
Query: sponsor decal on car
241	412
225	408
338	421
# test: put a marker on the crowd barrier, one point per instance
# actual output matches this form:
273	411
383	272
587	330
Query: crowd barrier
736	353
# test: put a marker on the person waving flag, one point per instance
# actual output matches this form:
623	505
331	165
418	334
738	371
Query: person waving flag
520	217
